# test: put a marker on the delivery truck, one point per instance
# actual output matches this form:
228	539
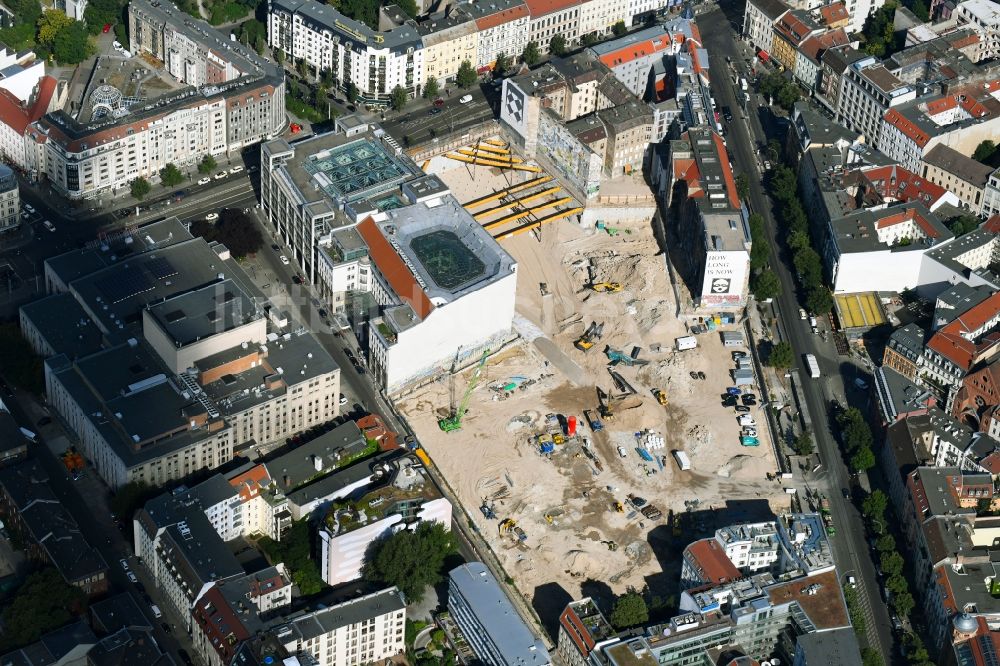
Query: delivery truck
812	365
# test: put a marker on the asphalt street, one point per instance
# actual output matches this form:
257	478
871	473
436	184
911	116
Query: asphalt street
849	545
425	122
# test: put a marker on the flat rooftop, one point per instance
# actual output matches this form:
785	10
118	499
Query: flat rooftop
64	325
205	311
819	596
860	310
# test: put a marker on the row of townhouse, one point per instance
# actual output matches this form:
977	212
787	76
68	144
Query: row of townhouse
408	53
230	98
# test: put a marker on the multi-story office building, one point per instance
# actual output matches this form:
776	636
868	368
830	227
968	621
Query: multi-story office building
398	494
489	622
356	238
10	200
189	367
233	98
869	90
375	62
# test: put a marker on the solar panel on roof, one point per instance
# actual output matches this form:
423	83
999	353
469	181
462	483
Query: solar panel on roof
125	284
161	268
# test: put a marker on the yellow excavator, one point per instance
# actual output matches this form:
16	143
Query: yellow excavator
661	397
610	287
589	337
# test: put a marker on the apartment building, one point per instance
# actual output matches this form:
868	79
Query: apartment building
553	17
904	349
869	91
991	196
17	117
375	62
10	200
46	529
833	63
632	57
960	119
503	27
449	39
808	59
959	173
982	16
488	621
597	16
237	100
583	630
955	348
791	30
759	19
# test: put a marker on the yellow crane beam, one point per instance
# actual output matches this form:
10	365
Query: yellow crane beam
476	203
479	161
531	197
526	212
479	152
495	142
524	228
487	148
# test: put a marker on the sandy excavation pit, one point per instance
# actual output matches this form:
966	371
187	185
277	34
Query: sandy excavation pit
563	503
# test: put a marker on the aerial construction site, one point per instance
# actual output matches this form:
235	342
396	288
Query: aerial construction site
568	445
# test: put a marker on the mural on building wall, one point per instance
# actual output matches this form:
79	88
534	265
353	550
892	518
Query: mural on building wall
576	162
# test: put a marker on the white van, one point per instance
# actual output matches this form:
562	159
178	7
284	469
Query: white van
156	611
743	84
465	99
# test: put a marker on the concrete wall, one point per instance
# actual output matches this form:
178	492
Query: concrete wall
878	271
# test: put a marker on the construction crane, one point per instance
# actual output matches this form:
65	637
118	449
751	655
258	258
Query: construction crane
454	422
610	287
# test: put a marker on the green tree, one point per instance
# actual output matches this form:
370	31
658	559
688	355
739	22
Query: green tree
742	186
629	611
804	443
412	560
502	64
885	543
207	164
295	551
327	78
100	12
896	584
351	92
43	602
788	96
589	39
870	656
302	67
235	229
399	98
874	505
862	460
854	430
766	285
781	356
409	7
985	152
466	76
72	45
903	603
557	45
431	88
619	28
892	563
531	55
130	498
963	224
51	23
140	188
819	300
279	56
171	176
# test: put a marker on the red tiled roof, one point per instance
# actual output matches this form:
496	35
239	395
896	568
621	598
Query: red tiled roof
898	183
991	463
639	50
710	559
909	215
17	115
372	426
501	17
249	483
686	169
727	171
394	269
968	40
834	13
992	224
792	28
948	341
542	7
903	124
812	46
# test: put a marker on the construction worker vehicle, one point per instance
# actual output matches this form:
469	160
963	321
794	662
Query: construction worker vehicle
589	337
454	422
593	421
661	397
610	287
651	512
616	356
618	507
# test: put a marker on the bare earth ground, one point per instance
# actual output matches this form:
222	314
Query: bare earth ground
495	455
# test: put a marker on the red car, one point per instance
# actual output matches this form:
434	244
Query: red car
107	27
439	102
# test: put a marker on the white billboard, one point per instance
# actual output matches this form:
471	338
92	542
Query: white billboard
514	107
725	278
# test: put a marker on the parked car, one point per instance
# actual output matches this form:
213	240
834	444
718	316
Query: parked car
220	175
733	390
106	29
439	102
212	216
275	247
747	421
741	409
434	111
284	260
750	432
846	493
343	399
236	169
204	181
48	225
861	384
132	577
124	563
851	582
749	399
465	99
